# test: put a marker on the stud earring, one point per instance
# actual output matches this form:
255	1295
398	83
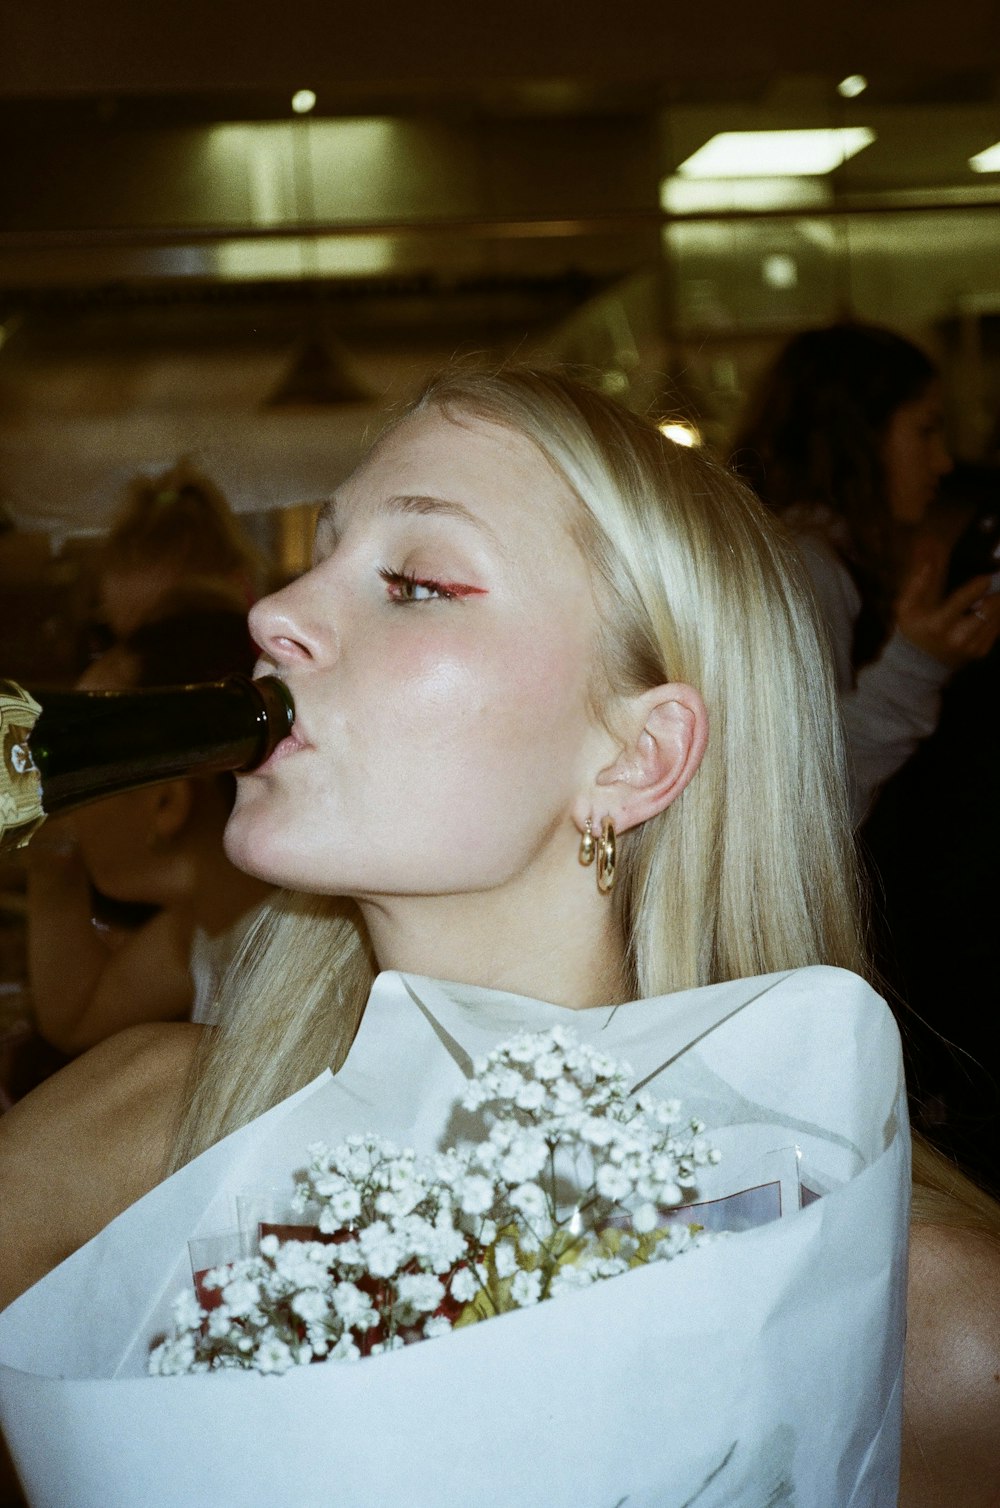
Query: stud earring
607	857
588	847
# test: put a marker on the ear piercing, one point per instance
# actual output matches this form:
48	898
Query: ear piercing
607	857
604	849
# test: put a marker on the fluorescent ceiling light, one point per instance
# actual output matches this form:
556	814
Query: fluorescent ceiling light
775	154
692	196
852	86
284	257
988	161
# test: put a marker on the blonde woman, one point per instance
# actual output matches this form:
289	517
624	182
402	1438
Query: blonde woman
532	627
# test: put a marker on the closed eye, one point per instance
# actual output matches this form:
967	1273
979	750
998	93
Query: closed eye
404	586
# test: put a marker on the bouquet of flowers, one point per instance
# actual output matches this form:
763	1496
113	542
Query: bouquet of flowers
575	1181
763	1367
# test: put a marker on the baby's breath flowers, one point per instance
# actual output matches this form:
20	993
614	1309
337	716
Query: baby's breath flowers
573	1182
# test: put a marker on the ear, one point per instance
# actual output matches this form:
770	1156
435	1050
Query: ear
666	736
169	807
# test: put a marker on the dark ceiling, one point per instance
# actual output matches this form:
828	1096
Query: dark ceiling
76	47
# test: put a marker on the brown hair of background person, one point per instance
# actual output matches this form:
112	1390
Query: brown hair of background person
814	433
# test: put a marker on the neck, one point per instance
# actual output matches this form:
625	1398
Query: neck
572	954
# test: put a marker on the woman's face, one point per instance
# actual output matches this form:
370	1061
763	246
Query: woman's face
914	456
440	654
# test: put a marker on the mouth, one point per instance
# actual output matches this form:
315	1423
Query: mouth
288	746
294	740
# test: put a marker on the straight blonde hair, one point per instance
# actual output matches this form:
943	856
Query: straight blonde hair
750	871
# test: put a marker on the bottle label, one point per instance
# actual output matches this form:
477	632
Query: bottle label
21	808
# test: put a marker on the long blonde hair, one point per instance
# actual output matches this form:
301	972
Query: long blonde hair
750	871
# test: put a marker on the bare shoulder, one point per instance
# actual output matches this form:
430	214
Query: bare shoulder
951	1450
86	1144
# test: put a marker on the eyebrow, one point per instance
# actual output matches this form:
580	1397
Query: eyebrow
420	504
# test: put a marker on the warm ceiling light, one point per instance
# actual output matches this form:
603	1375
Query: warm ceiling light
852	86
303	100
776	154
987	161
680	431
780	270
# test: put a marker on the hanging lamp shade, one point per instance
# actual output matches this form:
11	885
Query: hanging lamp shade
321	373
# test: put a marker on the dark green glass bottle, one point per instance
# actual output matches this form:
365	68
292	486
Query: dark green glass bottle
79	746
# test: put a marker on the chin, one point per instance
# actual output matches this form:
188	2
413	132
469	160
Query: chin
265	855
244	847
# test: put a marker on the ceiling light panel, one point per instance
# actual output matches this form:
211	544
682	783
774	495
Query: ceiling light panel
776	154
987	161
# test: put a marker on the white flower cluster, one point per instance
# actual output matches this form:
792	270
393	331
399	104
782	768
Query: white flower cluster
562	1108
572	1183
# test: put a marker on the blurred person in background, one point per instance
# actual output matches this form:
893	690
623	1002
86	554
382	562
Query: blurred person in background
133	907
843	438
933	839
173	529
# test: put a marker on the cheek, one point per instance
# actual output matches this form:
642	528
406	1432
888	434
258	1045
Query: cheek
103	827
905	474
487	757
529	679
112	843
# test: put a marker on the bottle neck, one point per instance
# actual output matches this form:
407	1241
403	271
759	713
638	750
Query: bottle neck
85	745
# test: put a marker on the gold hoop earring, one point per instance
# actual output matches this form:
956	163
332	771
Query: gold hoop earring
607	857
588	847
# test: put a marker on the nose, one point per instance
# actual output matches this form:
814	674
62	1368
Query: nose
286	627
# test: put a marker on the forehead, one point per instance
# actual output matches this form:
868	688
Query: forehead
478	472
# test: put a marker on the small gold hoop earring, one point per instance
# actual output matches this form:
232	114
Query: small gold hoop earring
588	847
607	857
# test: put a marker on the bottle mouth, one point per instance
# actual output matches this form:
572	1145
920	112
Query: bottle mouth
276	717
282	691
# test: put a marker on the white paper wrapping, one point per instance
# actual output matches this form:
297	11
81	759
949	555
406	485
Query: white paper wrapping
763	1369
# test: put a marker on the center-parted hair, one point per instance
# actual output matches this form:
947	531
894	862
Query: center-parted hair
749	871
